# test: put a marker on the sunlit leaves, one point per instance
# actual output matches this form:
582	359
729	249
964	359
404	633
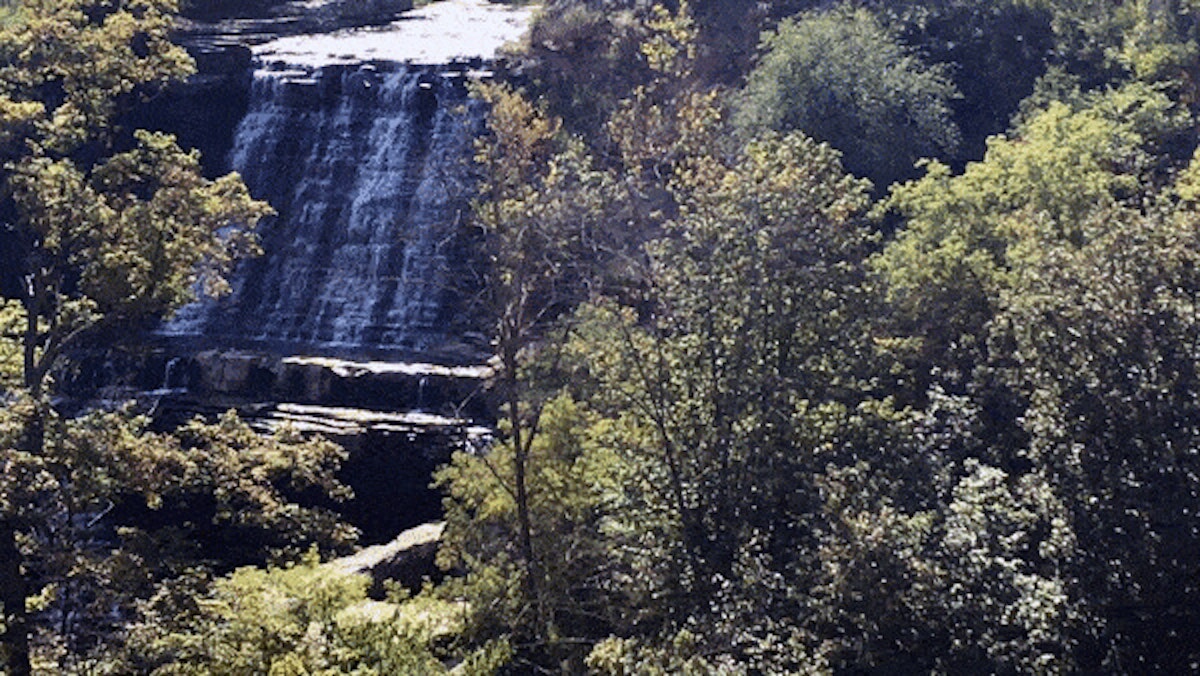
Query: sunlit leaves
78	60
299	619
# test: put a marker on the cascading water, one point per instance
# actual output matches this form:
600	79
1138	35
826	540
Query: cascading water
367	166
352	324
365	156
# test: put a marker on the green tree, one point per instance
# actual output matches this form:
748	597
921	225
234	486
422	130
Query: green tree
652	433
113	510
1147	40
104	230
1101	340
641	475
559	231
544	209
841	77
964	234
1049	286
303	618
738	386
584	58
723	469
935	558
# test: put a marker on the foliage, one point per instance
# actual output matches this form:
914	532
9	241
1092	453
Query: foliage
966	233
993	51
123	508
1099	333
550	238
840	77
103	230
1037	278
569	480
300	619
637	506
1150	41
740	431
585	58
752	461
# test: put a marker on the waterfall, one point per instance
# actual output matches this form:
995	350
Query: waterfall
367	167
356	321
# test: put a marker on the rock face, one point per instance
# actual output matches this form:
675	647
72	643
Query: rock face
398	422
457	391
391	457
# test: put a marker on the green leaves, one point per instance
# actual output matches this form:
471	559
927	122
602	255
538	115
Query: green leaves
98	238
966	236
113	237
80	59
1104	343
304	618
840	77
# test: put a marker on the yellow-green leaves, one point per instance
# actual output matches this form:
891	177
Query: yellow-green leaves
671	47
519	142
1150	40
1062	164
121	236
300	619
80	59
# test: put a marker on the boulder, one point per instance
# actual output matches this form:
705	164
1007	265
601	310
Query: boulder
408	560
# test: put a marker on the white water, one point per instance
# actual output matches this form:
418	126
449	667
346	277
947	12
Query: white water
367	172
366	163
441	32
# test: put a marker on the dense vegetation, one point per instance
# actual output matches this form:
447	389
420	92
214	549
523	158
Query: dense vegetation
760	414
104	231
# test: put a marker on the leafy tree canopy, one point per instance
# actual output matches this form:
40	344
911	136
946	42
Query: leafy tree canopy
843	78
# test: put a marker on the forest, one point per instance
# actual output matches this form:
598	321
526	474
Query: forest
854	337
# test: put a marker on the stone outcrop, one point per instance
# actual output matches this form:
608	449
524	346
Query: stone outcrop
398	422
408	560
390	457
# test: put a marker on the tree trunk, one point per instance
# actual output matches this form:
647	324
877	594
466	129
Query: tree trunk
15	639
521	440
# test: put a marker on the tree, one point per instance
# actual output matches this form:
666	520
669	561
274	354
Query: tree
543	210
302	618
111	510
1146	40
965	234
757	347
841	77
1102	342
638	473
103	230
1050	285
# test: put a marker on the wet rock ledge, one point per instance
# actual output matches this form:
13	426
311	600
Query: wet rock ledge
456	391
